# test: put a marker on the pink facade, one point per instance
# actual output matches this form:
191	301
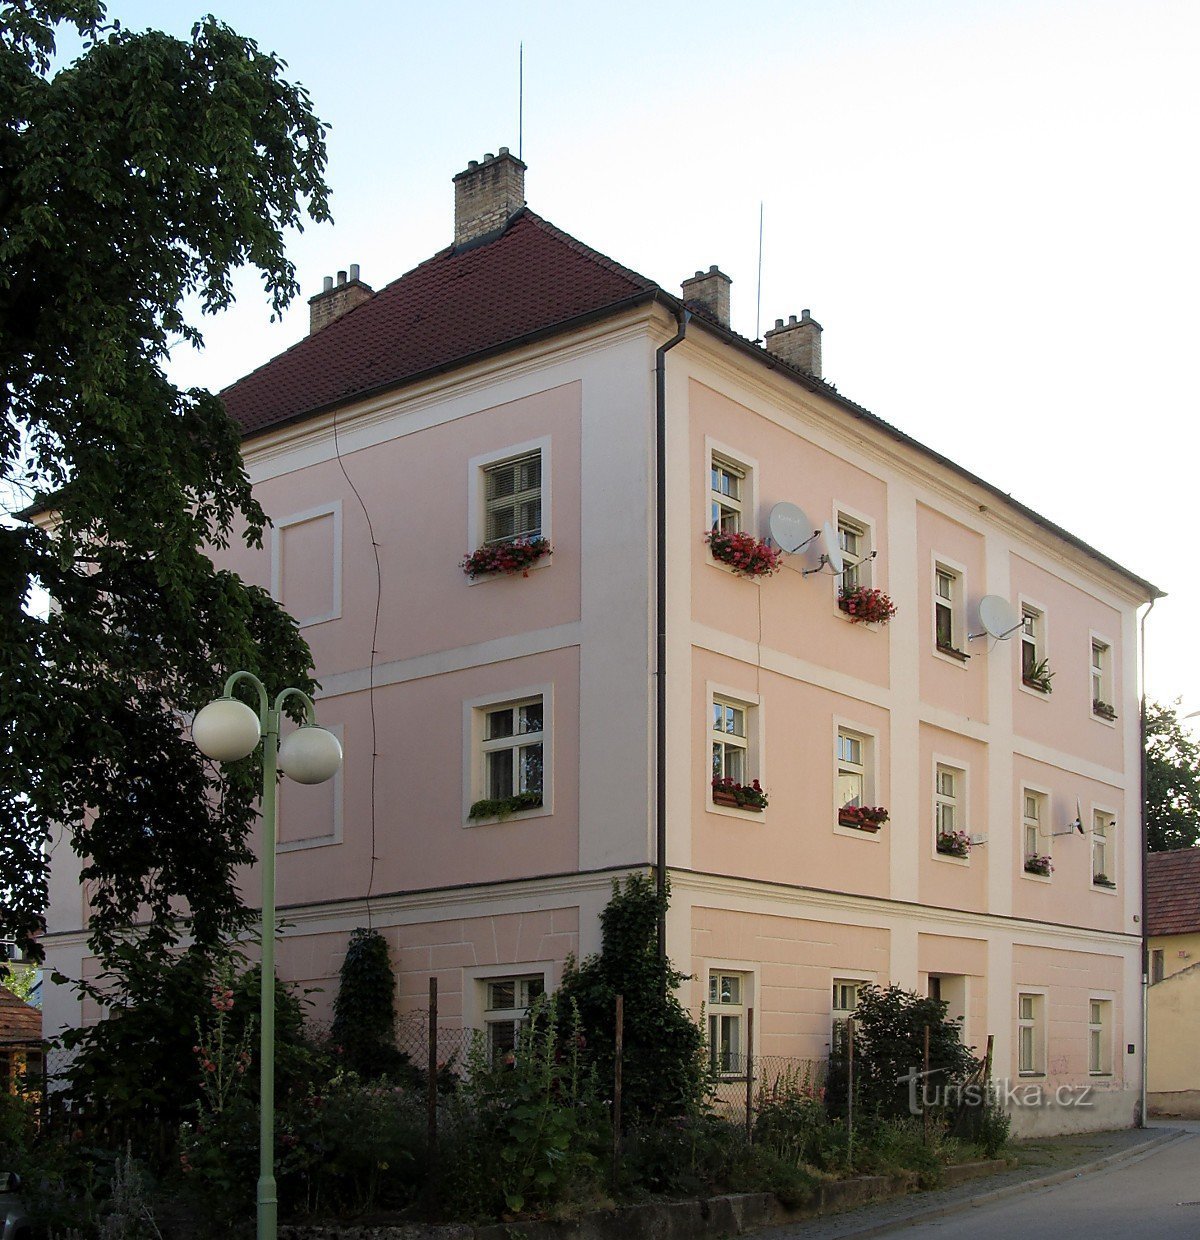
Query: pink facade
422	672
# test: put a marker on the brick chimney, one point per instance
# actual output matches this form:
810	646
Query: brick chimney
708	292
486	194
797	343
335	299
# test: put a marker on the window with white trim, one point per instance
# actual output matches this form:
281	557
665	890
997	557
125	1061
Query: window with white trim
727	484
730	740
948	634
853	757
1102	691
726	1011
513	498
1032	641
842	1006
1030	1034
947	790
1099	1037
506	1008
1103	825
1034	808
513	745
854	542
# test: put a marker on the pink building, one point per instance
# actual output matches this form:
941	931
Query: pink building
517	383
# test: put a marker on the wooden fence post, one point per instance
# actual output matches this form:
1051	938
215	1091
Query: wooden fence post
618	1053
850	1090
924	1087
749	1075
432	1067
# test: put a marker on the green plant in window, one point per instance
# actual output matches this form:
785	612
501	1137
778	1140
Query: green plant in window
1039	676
502	807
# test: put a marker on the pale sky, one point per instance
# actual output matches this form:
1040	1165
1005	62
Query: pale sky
990	206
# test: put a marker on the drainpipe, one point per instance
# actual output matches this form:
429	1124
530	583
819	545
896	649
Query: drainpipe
1144	841
660	612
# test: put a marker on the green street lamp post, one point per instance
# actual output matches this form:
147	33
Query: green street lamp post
228	730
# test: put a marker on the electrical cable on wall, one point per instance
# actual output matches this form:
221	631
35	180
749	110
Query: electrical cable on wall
374	639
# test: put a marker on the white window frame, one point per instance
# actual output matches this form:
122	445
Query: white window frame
870	773
751	705
861	573
958	803
477	507
1038	641
475	981
1106	842
1037	1023
716	451
736	1012
838	978
726	507
1105	677
335	836
475	762
957	605
1100	1035
334	510
957	1005
1043	841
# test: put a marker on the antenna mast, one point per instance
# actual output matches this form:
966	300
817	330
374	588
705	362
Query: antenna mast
758	299
521	101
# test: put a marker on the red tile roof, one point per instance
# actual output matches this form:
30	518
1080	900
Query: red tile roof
1173	892
458	304
19	1022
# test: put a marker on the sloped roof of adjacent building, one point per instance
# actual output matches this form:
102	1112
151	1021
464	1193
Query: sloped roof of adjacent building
458	305
19	1022
465	303
1173	892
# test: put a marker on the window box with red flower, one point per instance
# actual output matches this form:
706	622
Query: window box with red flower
954	844
517	555
862	817
726	791
866	606
746	555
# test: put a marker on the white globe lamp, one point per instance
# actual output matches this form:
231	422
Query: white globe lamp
226	730
310	754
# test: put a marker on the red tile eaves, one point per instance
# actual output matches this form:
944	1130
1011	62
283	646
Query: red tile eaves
1173	892
453	306
19	1022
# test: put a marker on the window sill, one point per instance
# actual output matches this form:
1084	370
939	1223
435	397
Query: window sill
1032	1076
1105	889
545	562
857	833
520	815
1033	690
941	856
735	811
1104	719
318	841
952	652
1041	878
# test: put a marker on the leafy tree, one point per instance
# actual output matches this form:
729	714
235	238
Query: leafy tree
1172	781
141	174
889	1046
663	1071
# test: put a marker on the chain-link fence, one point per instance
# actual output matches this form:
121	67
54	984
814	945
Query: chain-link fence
768	1076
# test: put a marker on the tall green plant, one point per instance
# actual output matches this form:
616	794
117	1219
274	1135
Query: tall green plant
364	1013
663	1069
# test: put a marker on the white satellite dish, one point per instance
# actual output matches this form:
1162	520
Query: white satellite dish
789	527
833	553
998	617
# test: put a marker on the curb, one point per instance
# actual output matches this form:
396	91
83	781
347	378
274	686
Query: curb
1012	1190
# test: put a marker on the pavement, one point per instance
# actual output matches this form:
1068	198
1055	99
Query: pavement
1051	1193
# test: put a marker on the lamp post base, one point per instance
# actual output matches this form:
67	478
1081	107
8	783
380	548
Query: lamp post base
268	1209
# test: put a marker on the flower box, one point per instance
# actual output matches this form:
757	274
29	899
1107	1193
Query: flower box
953	652
1102	880
726	791
862	817
502	807
515	556
1104	710
746	555
1036	863
866	606
1039	676
954	844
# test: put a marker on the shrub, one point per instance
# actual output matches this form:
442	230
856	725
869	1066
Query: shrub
364	1014
790	1117
664	1074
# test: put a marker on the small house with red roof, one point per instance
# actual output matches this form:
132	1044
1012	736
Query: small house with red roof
20	1043
1173	1001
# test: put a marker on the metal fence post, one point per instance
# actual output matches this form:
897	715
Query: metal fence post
850	1090
432	1064
749	1075
618	1053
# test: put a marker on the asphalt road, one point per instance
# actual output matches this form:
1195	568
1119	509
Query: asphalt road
1155	1196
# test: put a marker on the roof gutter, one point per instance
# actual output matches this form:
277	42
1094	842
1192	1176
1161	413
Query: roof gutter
1143	839
682	317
